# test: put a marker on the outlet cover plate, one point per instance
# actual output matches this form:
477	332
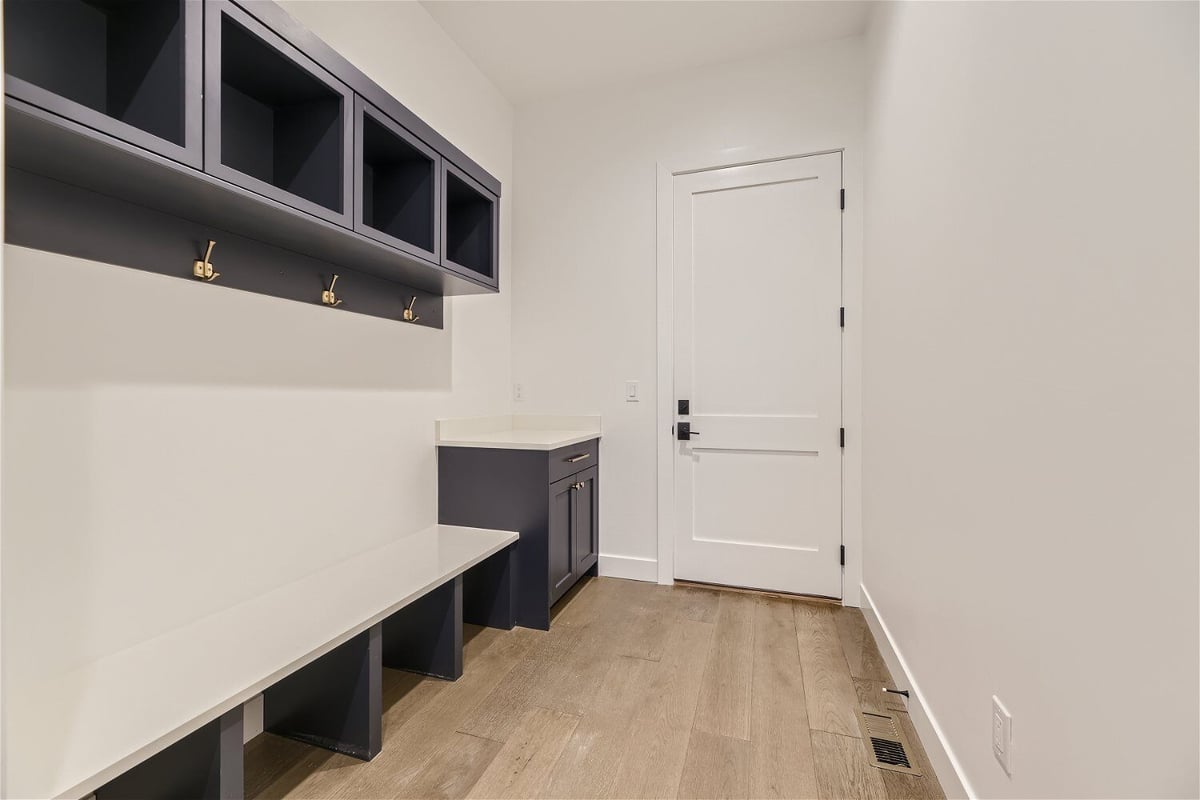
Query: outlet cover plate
1002	735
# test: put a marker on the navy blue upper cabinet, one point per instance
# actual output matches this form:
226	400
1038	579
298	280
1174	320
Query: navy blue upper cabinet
398	181
471	231
127	68
275	122
233	117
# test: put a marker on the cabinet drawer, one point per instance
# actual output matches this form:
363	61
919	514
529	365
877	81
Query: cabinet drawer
567	461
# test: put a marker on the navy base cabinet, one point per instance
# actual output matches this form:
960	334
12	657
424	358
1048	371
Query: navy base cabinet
551	498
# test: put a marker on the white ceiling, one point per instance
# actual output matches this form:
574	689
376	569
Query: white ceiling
537	48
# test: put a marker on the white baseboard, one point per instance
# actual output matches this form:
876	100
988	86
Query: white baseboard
629	567
941	755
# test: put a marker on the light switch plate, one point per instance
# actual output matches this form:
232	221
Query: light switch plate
631	391
518	392
1002	735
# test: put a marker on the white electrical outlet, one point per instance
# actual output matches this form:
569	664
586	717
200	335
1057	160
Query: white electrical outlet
631	391
1002	735
518	392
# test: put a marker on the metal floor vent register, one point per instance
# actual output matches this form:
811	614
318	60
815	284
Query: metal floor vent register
889	747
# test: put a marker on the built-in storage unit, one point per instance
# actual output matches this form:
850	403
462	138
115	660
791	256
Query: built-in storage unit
127	68
398	178
240	125
550	496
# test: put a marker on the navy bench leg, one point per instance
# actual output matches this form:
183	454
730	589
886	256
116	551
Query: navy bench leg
426	635
490	591
336	702
204	764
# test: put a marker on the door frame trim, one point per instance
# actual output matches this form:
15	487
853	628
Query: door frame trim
852	228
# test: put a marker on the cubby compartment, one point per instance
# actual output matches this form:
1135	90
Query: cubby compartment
470	227
278	121
397	180
121	66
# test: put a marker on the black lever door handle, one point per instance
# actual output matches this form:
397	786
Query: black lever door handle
683	431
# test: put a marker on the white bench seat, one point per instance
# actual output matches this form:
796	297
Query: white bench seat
71	733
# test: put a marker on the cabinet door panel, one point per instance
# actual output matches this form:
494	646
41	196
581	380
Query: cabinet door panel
587	517
561	535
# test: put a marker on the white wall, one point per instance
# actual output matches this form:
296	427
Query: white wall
177	448
584	239
1030	394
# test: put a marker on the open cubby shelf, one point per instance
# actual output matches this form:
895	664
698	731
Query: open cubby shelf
398	185
279	123
470	225
121	58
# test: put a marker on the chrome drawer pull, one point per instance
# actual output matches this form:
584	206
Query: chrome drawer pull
579	457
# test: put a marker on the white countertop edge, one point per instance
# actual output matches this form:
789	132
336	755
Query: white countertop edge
566	439
518	431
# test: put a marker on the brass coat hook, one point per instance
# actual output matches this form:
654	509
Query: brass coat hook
203	269
328	297
408	312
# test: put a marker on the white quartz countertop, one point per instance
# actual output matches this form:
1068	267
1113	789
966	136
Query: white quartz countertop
517	432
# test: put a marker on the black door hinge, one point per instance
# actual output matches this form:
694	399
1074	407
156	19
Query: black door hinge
843	199
842	317
843	555
842	437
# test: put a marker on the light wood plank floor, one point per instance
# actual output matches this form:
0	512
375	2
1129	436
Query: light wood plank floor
638	690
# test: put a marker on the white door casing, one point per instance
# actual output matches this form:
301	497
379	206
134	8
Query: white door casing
757	352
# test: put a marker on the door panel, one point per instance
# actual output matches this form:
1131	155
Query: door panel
586	518
562	531
757	498
757	292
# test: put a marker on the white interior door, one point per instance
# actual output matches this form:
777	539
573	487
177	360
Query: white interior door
757	263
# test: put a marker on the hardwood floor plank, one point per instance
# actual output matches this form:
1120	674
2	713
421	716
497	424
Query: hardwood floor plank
269	759
426	732
496	714
405	693
522	767
843	770
781	759
828	689
871	697
570	685
695	603
318	774
645	619
862	654
716	768
585	768
724	706
452	770
651	762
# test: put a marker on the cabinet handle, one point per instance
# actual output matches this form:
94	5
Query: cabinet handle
579	457
577	485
